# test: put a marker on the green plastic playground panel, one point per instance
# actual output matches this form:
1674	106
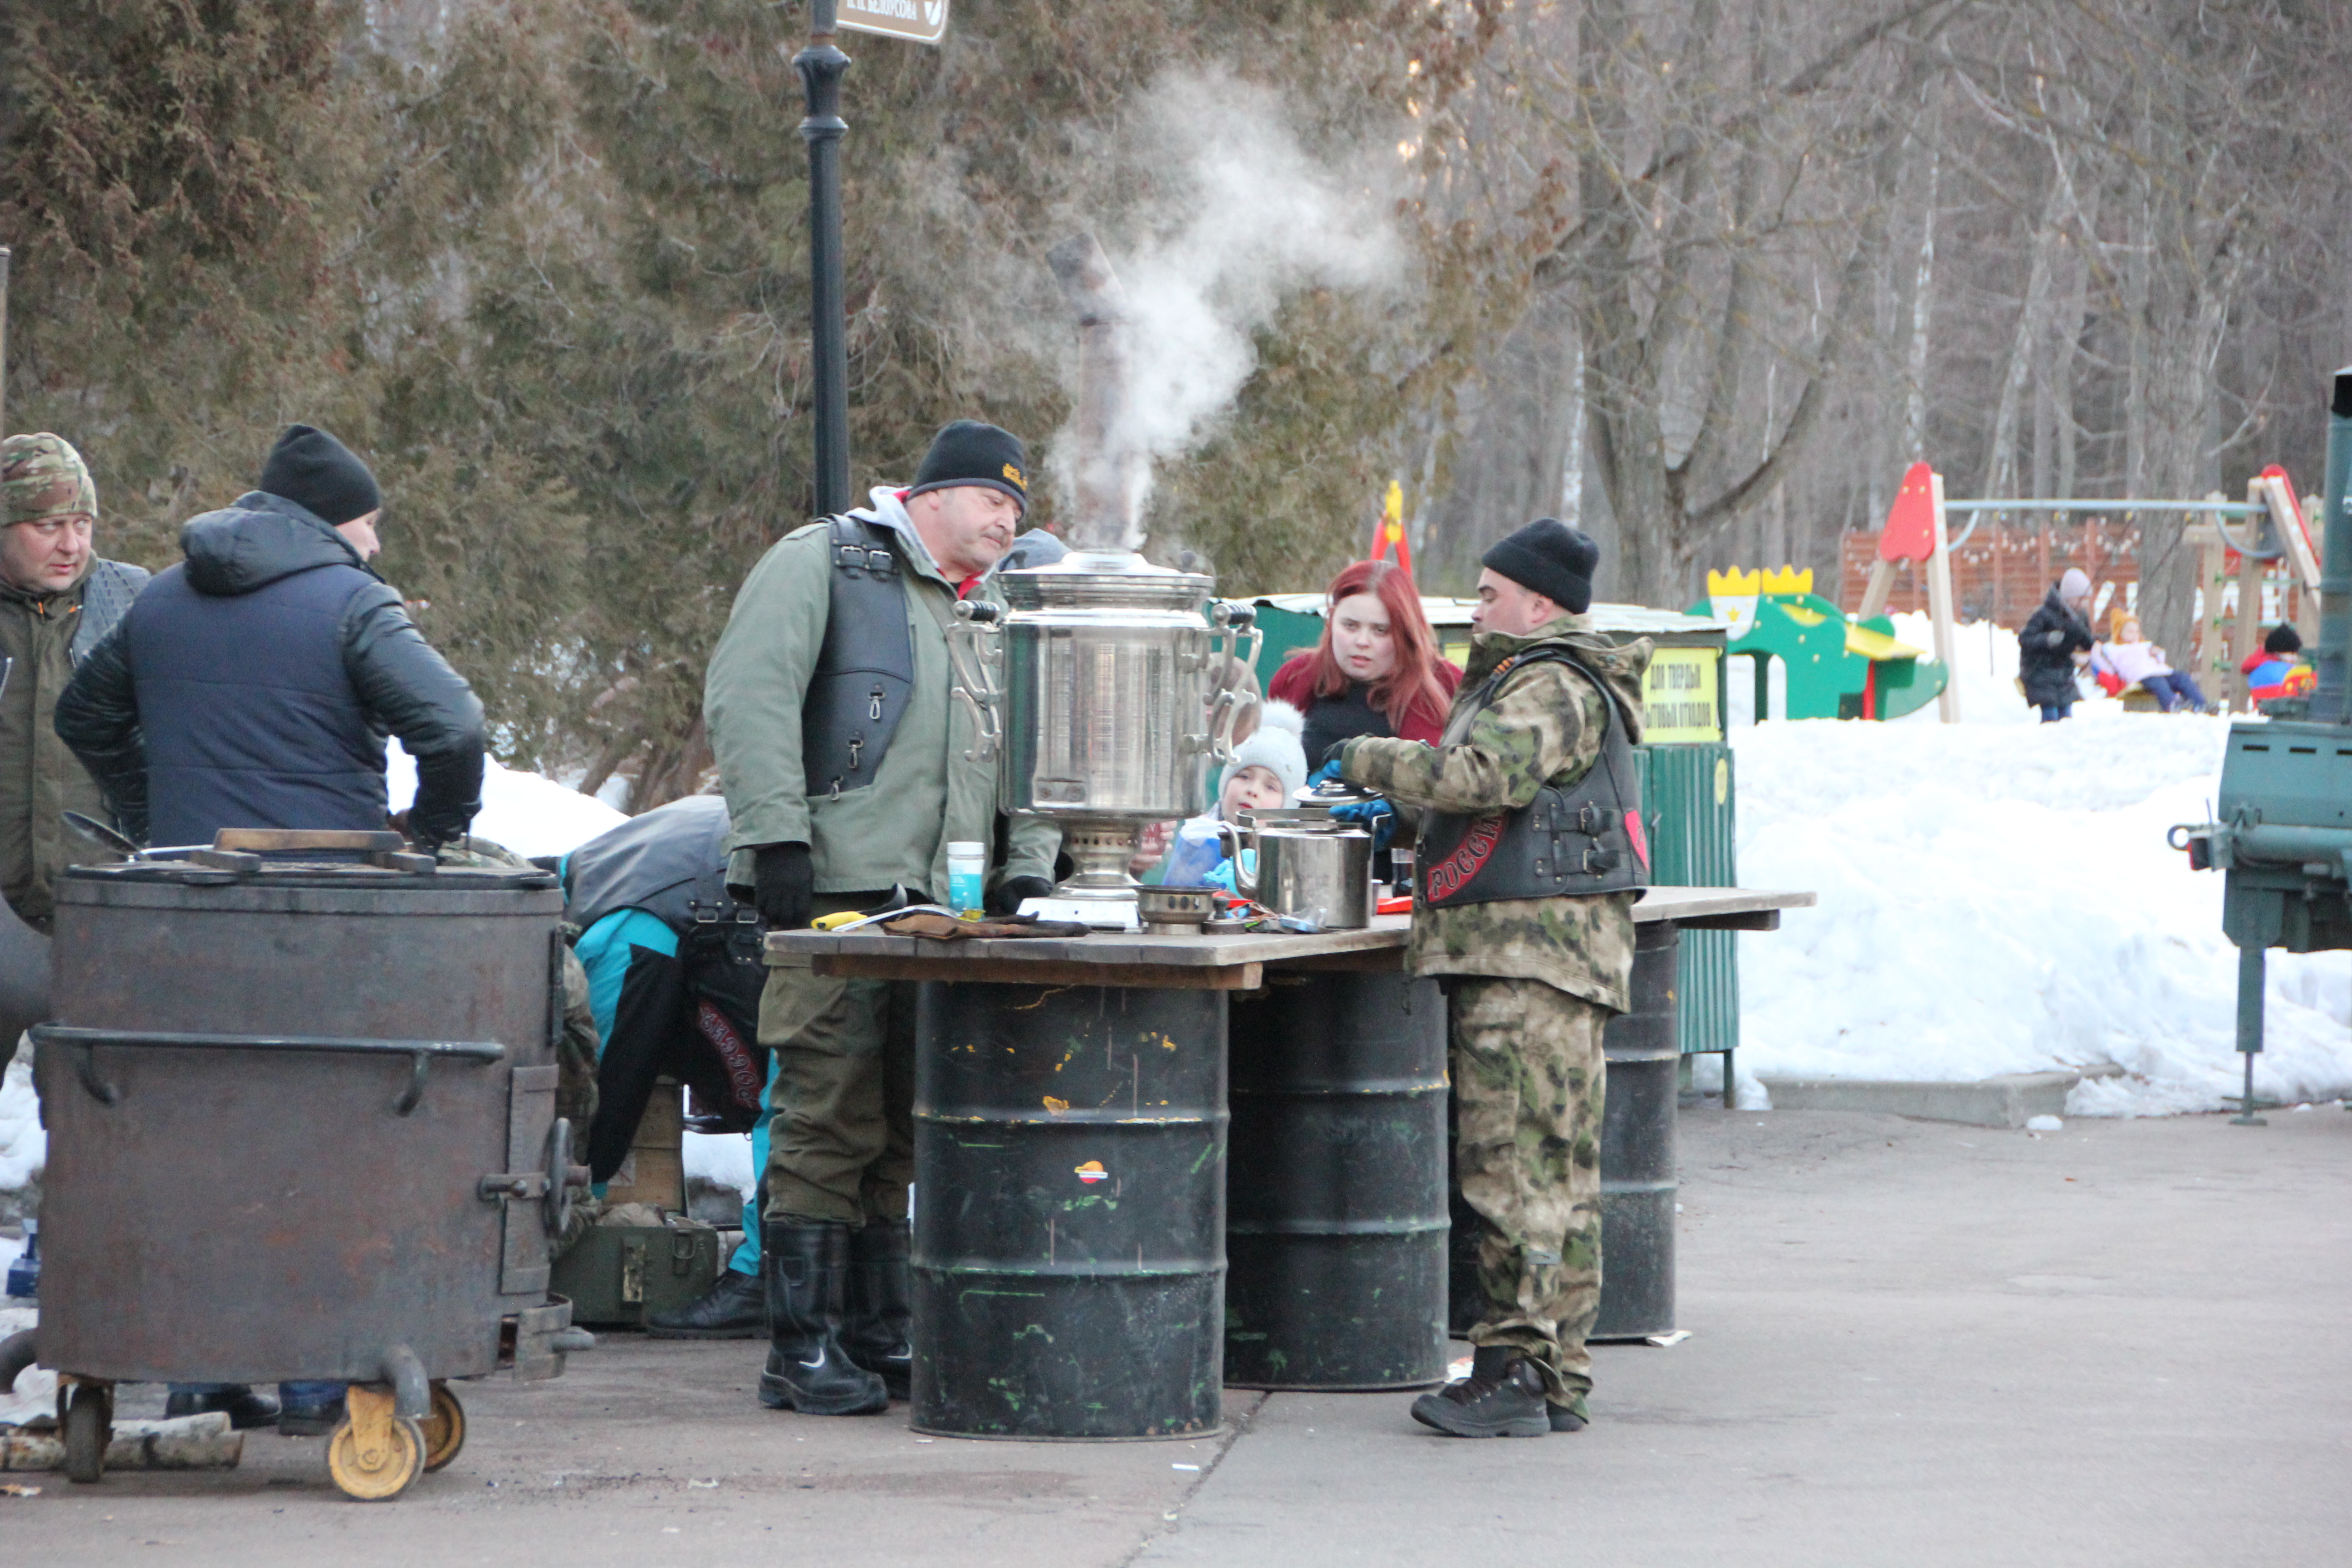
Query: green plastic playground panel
1690	807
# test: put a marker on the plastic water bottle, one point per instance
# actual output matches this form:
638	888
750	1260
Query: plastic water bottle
967	876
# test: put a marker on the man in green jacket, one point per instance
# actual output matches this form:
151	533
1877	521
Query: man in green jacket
1529	858
58	599
842	755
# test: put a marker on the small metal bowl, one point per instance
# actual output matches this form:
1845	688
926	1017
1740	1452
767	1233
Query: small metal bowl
1174	909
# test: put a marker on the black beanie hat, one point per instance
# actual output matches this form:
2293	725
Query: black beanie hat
2284	639
1551	558
971	453
319	474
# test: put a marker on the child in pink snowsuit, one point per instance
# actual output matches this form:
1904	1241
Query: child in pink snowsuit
2131	659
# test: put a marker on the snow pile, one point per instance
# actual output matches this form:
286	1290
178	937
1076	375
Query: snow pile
526	813
23	1145
1997	897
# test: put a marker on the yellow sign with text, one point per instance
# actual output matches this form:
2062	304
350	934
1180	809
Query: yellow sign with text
1682	697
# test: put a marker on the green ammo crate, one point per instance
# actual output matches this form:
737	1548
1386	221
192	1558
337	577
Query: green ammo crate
617	1276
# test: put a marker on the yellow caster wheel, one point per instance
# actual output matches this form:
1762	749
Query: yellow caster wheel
445	1429
374	1454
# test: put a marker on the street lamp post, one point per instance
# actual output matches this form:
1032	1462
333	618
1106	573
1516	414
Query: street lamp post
820	67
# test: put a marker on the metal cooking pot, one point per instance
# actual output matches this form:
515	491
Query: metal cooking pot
1309	866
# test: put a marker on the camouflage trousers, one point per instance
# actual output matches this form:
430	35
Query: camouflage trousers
841	1098
1529	1080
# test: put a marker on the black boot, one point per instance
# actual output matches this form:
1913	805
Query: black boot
246	1409
1502	1397
735	1308
878	1334
807	1271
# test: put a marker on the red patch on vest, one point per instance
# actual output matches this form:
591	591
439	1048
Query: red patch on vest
1641	841
1451	875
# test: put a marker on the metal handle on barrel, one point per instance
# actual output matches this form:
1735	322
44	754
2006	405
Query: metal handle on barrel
975	672
79	1044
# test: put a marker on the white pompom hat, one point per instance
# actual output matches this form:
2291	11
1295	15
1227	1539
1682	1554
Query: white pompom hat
1275	747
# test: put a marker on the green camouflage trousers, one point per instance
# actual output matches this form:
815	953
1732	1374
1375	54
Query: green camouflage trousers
1528	1080
841	1143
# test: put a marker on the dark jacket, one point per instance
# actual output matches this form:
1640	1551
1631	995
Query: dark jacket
252	686
43	637
2045	650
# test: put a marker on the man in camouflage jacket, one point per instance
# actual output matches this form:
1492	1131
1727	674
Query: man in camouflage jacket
1532	981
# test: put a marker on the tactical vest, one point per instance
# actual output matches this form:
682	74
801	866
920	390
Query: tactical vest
1565	843
865	672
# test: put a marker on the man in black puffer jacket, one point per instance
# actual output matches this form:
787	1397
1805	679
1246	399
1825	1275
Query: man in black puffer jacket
252	685
2047	647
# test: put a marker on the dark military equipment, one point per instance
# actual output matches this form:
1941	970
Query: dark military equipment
866	670
623	1274
1069	1245
1337	1223
1574	842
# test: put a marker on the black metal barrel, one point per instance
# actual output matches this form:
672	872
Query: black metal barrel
298	1120
1337	1226
1069	1259
1637	1147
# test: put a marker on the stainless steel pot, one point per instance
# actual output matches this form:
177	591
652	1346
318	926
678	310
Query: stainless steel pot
1098	689
1310	866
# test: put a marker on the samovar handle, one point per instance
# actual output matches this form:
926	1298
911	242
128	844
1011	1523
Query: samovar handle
1237	625
975	674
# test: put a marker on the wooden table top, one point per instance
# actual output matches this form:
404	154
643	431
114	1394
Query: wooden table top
1197	960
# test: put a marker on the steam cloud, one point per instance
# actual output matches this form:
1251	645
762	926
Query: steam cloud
1241	215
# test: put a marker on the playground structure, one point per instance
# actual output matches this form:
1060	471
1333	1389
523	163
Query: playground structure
2242	583
1835	668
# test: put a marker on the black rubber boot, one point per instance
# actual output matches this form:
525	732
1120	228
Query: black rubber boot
735	1308
246	1409
880	1332
1502	1397
807	1271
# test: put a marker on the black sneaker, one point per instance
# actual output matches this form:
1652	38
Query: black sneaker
1502	1397
245	1408
1568	1417
736	1308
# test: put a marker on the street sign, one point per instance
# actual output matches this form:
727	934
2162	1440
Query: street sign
920	21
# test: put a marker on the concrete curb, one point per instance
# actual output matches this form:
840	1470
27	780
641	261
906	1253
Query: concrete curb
2006	1100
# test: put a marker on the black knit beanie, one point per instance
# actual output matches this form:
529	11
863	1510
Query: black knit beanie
2284	639
1551	558
319	474
971	453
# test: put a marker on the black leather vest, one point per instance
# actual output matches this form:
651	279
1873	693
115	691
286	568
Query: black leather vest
865	672
1566	843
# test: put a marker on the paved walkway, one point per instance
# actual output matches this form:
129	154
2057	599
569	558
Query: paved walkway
1913	1343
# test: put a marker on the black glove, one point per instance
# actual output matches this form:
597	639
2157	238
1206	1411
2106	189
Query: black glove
785	892
1007	899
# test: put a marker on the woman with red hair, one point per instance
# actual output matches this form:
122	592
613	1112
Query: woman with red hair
1376	671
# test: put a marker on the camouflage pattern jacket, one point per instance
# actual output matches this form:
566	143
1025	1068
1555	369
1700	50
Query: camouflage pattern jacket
1544	726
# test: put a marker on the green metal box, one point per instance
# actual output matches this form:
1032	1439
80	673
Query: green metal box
617	1276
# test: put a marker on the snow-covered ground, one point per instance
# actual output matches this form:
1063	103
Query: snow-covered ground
1997	897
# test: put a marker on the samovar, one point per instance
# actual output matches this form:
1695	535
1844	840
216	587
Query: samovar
1109	694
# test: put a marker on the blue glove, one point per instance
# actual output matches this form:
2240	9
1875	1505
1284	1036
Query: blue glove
1323	774
1375	814
1221	875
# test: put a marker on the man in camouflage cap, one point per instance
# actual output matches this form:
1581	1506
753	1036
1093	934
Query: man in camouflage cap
58	599
1530	856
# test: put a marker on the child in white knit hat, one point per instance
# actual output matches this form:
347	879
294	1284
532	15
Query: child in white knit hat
1267	769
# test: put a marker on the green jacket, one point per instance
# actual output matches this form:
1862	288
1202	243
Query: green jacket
898	828
40	778
1544	726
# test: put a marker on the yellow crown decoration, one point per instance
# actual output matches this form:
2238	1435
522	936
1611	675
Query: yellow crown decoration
1788	580
1733	582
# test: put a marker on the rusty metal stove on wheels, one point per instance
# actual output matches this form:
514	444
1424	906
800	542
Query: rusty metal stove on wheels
302	1118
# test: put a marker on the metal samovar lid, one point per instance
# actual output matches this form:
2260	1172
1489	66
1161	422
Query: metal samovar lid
1104	580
